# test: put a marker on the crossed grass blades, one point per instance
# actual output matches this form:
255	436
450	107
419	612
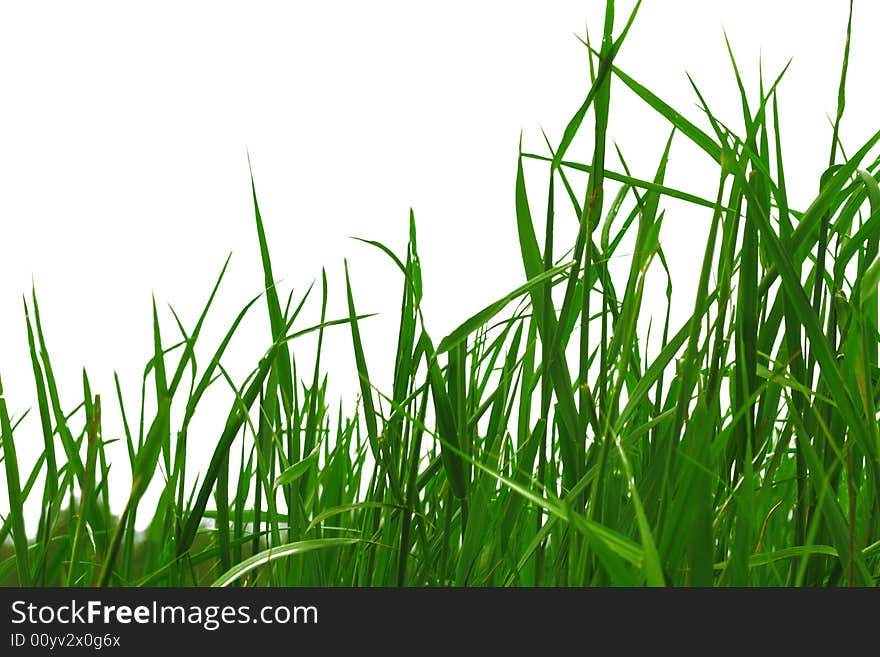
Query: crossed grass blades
546	440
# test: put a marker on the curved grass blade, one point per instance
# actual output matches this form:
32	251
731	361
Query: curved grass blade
280	552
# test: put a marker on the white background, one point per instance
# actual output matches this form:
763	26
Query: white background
123	171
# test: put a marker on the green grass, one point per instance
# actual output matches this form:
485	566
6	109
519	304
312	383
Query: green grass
549	439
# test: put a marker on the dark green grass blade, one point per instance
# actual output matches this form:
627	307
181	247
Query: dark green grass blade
479	319
279	552
276	318
605	67
16	499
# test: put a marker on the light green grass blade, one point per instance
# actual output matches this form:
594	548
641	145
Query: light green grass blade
280	552
15	496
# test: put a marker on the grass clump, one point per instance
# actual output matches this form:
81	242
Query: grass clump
546	440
